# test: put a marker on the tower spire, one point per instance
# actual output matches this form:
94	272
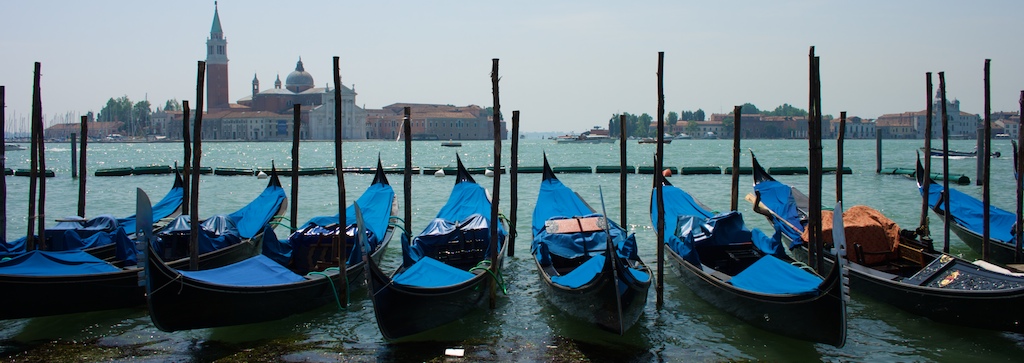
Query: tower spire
216	65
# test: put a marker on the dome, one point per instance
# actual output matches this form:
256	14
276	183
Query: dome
299	80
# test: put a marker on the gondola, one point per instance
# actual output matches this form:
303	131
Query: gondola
957	154
588	265
64	282
445	269
748	274
96	235
904	272
967	219
272	285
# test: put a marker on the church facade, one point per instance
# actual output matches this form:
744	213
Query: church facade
267	114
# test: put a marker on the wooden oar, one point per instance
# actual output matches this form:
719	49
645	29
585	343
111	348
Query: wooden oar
763	209
611	255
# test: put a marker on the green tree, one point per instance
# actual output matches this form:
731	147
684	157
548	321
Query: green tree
172	105
643	125
692	128
672	118
698	115
749	108
787	110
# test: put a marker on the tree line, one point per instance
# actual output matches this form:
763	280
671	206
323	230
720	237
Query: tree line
639	125
135	116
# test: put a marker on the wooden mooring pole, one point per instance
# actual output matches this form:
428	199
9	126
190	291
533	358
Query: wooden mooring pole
658	166
30	237
514	185
945	163
622	170
495	194
840	138
737	116
186	167
922	229
197	154
3	164
342	238
1019	161
82	167
407	183
985	155
296	122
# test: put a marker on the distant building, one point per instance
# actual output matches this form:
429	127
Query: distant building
97	130
266	115
856	128
911	125
433	122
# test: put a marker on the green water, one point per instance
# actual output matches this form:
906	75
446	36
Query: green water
523	327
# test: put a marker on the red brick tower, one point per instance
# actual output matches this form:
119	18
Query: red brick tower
216	66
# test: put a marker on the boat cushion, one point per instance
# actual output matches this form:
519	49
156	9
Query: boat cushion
582	274
59	263
428	272
254	271
770	275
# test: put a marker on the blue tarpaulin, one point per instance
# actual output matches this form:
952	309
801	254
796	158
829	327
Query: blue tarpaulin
250	219
582	274
215	233
968	212
254	271
771	275
778	198
162	209
59	263
428	272
463	217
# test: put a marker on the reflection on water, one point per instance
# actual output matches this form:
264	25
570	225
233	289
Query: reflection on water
524	326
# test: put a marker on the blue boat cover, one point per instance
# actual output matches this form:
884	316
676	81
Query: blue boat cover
684	231
274	248
215	233
254	271
968	211
582	274
556	201
375	204
428	272
771	275
162	209
463	217
250	219
83	229
779	198
58	263
70	240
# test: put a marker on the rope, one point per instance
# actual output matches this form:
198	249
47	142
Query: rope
499	278
803	266
400	227
278	223
334	289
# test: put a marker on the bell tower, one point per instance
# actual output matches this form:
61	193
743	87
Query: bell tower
216	66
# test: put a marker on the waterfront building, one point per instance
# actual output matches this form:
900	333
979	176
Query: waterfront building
433	122
911	125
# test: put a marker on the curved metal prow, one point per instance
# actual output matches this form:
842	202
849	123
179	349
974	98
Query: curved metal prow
379	177
548	173
462	174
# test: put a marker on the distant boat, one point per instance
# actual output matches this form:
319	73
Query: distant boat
683	136
13	147
595	135
651	140
962	154
450	143
710	135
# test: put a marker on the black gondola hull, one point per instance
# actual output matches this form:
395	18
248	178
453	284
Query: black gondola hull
595	303
403	311
995	309
820	318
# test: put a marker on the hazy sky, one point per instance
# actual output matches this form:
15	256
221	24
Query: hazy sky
566	65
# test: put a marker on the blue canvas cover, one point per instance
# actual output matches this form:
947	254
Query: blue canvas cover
215	233
274	248
250	219
968	212
82	229
375	204
254	271
58	263
688	223
162	209
428	272
582	274
771	275
779	198
464	215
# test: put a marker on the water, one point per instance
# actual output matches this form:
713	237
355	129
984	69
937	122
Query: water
523	327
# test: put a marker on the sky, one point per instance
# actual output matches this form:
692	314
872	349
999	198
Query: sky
565	65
